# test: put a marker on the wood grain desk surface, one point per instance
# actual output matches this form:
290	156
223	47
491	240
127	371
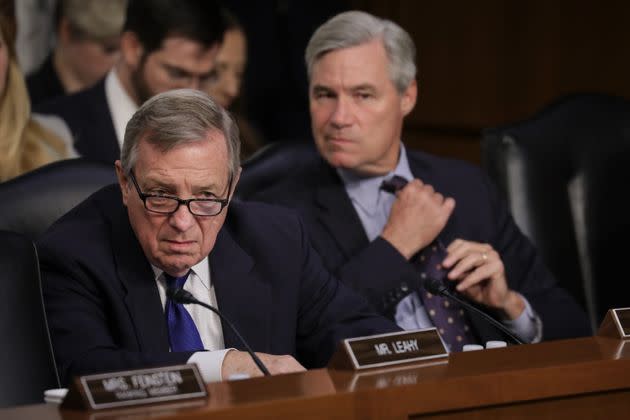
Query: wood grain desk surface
585	377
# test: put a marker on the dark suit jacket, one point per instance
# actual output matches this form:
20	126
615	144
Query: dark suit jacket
384	276
105	313
89	120
44	84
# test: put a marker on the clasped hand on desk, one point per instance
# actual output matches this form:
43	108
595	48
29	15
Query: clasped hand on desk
241	362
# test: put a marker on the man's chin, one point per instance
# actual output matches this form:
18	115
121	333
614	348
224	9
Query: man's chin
177	268
340	161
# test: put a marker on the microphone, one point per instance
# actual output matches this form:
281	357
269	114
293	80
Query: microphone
184	297
437	287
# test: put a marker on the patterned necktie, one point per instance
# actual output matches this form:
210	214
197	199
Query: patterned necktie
182	331
447	316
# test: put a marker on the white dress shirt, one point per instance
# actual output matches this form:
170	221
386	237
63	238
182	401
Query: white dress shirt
120	104
207	322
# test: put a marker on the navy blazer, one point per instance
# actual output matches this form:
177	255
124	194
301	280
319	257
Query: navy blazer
90	121
44	84
384	276
105	313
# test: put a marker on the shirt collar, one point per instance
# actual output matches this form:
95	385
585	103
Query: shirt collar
365	191
201	270
120	104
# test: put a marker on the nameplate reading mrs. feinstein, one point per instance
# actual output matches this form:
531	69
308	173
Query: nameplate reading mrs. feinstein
134	387
389	349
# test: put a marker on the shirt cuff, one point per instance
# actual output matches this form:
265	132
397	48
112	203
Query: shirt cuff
528	325
209	364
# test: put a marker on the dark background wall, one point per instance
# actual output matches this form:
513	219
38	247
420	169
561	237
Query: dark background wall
481	63
487	62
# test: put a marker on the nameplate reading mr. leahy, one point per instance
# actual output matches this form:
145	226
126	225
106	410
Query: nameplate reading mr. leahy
389	349
134	387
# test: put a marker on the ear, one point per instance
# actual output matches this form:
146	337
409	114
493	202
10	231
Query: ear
123	181
237	177
131	49
409	97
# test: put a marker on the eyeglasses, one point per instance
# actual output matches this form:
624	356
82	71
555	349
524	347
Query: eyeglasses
166	204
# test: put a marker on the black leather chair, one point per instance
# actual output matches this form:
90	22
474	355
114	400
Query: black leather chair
30	203
26	360
564	172
272	163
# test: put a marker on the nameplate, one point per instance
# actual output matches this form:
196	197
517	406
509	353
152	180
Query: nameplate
389	349
135	387
616	324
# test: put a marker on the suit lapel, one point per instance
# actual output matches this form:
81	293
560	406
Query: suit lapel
142	297
243	297
337	214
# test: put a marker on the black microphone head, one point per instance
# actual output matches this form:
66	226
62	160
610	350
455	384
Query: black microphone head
179	295
434	286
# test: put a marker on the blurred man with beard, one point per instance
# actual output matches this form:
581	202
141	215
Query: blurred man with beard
164	45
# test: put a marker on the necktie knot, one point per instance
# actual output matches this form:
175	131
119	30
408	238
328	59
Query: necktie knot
176	282
394	184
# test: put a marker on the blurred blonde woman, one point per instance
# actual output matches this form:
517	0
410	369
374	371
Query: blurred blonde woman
24	143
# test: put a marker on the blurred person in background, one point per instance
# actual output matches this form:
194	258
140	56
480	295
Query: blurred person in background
35	33
87	47
25	143
164	45
226	88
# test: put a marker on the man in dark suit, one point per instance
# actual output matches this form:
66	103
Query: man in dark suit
361	86
164	45
107	264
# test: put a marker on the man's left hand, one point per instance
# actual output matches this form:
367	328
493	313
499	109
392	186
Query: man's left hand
480	274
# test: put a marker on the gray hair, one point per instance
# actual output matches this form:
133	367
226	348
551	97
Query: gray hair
353	28
178	117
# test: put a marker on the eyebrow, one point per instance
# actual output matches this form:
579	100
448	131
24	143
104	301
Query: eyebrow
187	73
153	183
363	86
322	88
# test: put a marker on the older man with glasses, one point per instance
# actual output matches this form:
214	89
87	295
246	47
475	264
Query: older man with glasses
108	264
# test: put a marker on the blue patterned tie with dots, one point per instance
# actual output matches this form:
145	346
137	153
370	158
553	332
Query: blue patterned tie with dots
182	331
447	316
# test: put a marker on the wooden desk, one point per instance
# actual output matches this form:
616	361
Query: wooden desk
581	378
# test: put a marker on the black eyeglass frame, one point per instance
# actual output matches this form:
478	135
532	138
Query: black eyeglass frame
144	196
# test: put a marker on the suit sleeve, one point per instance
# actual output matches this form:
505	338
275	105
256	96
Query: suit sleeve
86	328
329	311
381	274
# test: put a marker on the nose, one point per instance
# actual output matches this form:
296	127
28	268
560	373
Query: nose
182	219
194	83
341	114
231	87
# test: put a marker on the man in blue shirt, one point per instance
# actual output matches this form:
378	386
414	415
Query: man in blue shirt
361	86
